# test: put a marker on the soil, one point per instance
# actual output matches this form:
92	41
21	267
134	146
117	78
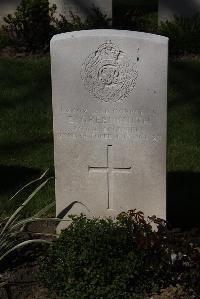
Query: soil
23	284
22	277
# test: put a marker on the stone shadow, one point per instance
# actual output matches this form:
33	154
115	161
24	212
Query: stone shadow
26	144
184	79
183	199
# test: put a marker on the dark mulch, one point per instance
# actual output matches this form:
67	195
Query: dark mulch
22	277
23	283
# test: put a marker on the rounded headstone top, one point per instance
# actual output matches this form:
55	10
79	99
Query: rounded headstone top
110	32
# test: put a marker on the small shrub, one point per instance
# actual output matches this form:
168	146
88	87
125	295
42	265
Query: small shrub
31	26
95	20
74	23
126	258
138	19
183	33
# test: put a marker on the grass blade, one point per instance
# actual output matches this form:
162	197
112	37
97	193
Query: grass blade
44	210
30	183
12	218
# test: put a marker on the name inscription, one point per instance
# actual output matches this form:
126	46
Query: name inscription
108	124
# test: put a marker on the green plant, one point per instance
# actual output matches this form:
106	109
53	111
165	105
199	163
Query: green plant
73	23
102	258
139	20
183	33
125	258
95	20
12	233
31	26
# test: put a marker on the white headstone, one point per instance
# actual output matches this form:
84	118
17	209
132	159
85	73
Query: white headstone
82	8
185	8
109	107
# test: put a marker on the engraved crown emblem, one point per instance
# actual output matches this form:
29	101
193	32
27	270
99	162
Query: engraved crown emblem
109	74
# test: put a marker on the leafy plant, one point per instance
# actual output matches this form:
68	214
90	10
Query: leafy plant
125	258
31	26
137	19
13	233
95	20
102	258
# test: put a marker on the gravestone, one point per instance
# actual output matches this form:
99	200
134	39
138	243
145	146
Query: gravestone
185	8
109	107
82	8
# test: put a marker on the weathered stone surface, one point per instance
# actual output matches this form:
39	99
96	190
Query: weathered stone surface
109	106
184	8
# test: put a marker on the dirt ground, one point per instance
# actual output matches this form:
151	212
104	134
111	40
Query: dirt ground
22	276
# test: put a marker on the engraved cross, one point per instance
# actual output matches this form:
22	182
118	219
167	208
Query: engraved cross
109	170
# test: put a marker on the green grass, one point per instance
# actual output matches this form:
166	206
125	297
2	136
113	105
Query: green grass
184	116
26	139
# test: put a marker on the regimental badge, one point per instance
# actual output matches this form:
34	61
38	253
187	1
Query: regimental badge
109	74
